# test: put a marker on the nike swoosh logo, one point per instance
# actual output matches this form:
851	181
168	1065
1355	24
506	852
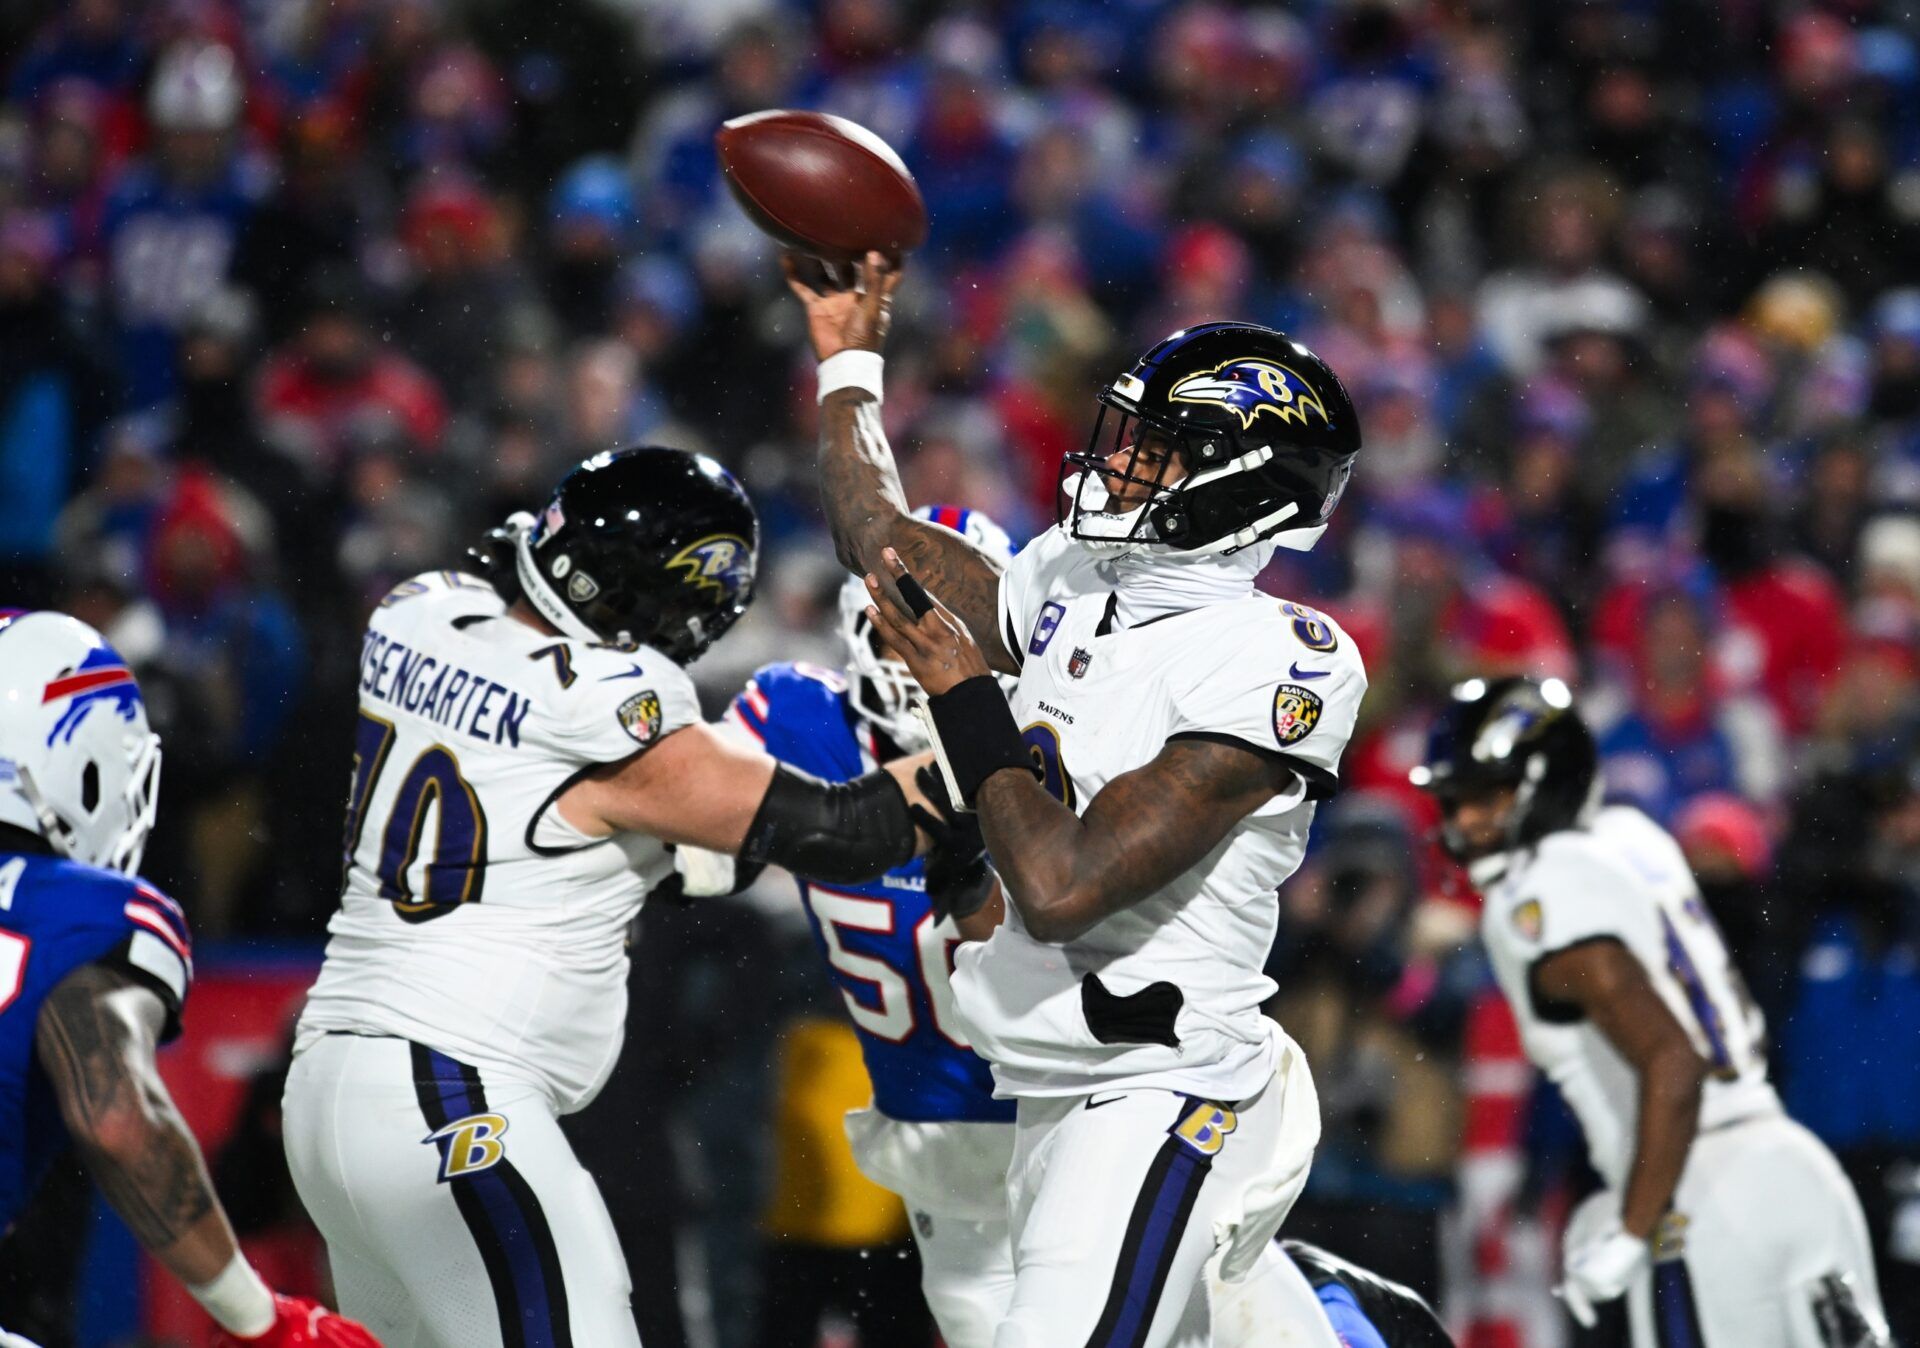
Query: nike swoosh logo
1093	1103
633	672
1299	673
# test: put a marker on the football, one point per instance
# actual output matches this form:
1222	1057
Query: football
821	184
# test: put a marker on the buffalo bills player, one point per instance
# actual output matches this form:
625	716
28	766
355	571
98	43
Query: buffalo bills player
94	968
934	1134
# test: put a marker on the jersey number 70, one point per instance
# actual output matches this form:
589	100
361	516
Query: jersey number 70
457	869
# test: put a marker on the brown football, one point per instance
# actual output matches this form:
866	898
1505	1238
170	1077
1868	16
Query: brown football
822	184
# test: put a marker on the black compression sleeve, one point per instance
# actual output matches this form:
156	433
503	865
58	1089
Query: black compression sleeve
840	832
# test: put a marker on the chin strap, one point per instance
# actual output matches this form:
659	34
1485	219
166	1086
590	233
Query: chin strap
534	585
52	827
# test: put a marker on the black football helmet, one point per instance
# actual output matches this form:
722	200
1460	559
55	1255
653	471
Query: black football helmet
1266	433
1523	733
644	546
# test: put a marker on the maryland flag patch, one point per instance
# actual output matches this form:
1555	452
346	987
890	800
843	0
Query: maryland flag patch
1528	920
640	717
1296	711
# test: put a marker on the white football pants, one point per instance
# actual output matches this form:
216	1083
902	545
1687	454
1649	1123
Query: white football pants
1119	1199
953	1178
454	1212
1763	1218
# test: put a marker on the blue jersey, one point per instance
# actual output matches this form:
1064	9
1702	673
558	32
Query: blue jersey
55	916
167	248
891	960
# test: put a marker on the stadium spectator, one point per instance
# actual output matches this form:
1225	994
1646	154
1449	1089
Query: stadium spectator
173	225
334	376
50	407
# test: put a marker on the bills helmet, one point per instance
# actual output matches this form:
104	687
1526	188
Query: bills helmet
644	546
880	688
1260	438
1520	733
79	765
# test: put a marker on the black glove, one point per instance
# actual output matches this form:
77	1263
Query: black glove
959	876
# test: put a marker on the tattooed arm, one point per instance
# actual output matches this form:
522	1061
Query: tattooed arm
1064	872
859	482
96	1037
1145	829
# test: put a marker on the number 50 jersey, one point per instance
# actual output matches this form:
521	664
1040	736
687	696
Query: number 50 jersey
474	920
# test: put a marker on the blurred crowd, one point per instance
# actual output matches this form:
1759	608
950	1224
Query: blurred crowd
298	296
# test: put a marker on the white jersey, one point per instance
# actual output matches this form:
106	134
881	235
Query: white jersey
1096	703
1623	878
474	920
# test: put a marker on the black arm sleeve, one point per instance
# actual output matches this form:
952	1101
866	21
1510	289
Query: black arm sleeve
840	832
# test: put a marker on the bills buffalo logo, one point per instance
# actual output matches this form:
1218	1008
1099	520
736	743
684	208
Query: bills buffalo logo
1249	387
1296	711
469	1145
1528	920
640	716
102	678
721	562
1077	662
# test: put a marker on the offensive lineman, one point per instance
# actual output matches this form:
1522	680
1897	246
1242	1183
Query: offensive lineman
1171	730
94	969
529	744
934	1133
1723	1221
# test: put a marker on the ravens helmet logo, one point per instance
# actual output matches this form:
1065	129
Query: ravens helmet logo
1248	387
717	562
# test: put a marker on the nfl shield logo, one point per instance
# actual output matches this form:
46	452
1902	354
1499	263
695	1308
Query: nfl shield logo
1077	662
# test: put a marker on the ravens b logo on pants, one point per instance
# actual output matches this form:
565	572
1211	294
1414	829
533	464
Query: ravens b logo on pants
470	1145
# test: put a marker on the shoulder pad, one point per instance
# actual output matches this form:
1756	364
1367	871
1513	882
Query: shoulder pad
615	701
459	583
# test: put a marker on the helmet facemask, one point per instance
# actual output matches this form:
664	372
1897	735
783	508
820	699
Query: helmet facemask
94	836
1200	489
881	689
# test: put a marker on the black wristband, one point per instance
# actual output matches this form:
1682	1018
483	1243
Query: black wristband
978	734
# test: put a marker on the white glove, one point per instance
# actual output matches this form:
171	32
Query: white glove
703	874
1600	1269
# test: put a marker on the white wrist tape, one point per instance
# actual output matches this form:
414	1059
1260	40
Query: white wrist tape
238	1300
852	369
948	776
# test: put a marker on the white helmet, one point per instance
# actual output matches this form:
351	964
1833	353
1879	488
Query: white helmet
881	690
78	764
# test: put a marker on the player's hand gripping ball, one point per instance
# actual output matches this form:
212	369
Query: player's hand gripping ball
299	1323
844	318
